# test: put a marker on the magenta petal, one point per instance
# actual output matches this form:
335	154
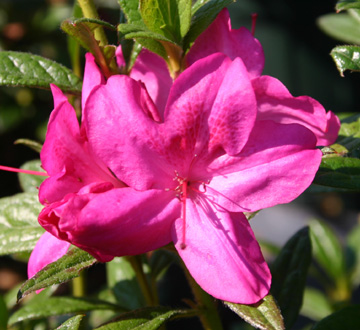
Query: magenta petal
219	37
152	70
222	253
47	250
276	103
113	222
92	78
267	171
124	135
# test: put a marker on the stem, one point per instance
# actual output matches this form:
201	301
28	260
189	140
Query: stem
149	294
78	286
89	10
209	317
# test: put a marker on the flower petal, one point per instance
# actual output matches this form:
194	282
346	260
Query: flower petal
211	105
65	155
219	37
124	135
152	70
113	222
276	103
47	250
268	171
92	78
222	253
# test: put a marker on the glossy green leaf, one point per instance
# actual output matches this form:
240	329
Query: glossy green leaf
344	319
29	182
147	319
72	323
264	315
58	306
19	228
289	272
202	17
327	250
170	18
316	304
353	253
62	270
339	172
343	27
346	58
347	4
34	145
122	280
23	69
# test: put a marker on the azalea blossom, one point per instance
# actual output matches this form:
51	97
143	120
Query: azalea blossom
158	161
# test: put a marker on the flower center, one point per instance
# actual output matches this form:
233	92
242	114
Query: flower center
182	194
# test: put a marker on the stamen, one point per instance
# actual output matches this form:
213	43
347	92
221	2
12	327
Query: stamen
254	16
18	170
183	200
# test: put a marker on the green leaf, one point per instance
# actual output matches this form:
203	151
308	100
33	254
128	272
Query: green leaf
23	69
327	250
59	306
170	18
289	273
34	145
72	323
349	135
131	10
29	182
159	262
264	315
19	228
122	280
339	172
353	253
346	58
82	30
347	4
150	318
343	27
345	319
316	305
62	270
202	16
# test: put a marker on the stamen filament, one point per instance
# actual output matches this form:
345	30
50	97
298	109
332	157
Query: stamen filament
253	23
183	200
18	170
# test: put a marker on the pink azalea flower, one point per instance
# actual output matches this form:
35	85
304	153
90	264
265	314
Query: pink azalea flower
274	100
189	171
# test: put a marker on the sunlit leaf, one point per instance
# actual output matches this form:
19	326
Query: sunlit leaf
289	272
346	58
29	182
343	27
264	315
58	306
147	319
19	228
72	323
62	270
347	4
24	69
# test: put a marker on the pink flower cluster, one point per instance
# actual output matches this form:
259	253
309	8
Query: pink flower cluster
156	161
